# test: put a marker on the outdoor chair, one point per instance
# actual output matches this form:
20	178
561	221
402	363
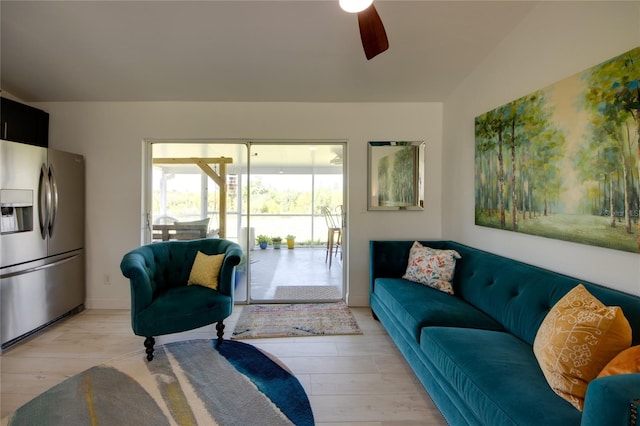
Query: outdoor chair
334	232
173	291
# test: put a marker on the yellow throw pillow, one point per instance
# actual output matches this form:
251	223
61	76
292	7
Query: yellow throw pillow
626	362
205	270
576	339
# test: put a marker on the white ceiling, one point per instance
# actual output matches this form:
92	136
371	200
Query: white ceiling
296	50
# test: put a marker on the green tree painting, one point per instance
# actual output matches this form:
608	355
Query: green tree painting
396	174
564	161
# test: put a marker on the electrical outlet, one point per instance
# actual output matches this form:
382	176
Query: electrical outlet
107	279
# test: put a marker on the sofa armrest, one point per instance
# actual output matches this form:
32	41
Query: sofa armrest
612	400
233	256
133	266
387	259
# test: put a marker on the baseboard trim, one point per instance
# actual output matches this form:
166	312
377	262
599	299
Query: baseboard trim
107	304
357	301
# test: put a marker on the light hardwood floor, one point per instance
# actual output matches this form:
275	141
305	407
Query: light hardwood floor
358	380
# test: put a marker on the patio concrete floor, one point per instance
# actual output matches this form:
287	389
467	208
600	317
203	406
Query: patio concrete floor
301	266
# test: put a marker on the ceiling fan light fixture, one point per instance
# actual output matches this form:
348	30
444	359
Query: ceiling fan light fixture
355	6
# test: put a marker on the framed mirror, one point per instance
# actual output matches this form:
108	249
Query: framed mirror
395	175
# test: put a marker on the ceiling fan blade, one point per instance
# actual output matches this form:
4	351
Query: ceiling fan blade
372	33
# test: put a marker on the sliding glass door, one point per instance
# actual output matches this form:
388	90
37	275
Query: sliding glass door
253	192
291	185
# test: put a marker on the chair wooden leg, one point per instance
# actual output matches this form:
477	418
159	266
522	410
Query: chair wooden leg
330	244
220	329
327	255
148	344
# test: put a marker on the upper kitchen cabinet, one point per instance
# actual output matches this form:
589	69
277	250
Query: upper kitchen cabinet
22	123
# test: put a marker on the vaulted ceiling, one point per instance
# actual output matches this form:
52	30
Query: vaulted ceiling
296	50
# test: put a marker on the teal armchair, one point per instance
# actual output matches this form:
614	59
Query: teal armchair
161	300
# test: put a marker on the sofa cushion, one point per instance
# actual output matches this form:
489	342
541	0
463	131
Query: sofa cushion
502	383
180	308
416	306
576	340
431	267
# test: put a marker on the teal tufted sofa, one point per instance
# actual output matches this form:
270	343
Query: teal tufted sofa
161	301
473	352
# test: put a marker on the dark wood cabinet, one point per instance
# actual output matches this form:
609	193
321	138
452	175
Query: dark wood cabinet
23	123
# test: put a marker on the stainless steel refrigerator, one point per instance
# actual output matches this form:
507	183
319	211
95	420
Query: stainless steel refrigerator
42	261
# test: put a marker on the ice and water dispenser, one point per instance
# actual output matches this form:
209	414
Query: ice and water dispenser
16	208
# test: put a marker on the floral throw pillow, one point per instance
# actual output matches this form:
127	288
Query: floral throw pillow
431	267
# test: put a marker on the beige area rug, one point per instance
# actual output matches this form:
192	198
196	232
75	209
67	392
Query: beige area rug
307	292
293	320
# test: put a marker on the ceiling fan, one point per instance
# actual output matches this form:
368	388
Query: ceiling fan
372	33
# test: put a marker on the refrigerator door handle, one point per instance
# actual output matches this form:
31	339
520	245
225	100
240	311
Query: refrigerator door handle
53	210
44	201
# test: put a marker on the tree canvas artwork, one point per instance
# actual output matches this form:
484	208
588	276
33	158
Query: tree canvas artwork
395	178
564	162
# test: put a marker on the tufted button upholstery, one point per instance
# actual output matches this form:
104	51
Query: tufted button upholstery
161	301
486	281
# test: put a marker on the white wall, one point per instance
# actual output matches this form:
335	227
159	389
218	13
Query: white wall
110	136
556	40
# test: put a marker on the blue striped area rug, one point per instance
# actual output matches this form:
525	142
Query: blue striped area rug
187	383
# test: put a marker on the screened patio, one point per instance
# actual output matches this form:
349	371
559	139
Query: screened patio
241	191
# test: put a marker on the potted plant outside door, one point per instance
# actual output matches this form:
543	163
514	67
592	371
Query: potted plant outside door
263	241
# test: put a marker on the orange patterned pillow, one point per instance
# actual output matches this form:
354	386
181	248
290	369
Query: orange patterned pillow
576	339
626	362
